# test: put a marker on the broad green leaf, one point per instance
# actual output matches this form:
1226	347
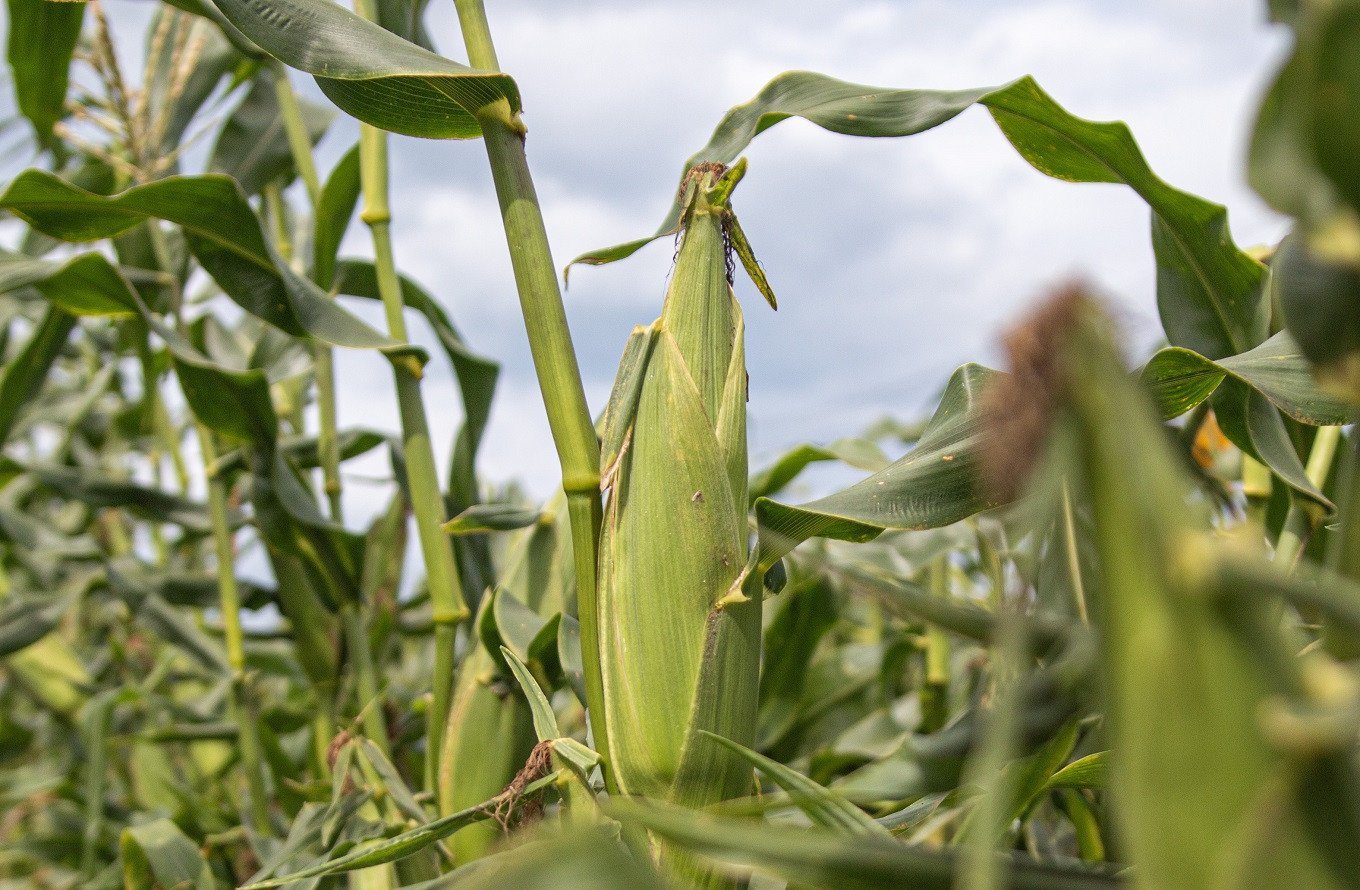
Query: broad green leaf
222	231
823	806
42	38
1253	424
1208	291
1180	379
823	859
371	73
933	485
252	147
158	854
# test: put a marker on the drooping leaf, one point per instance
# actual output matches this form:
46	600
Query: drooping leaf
1180	379
482	518
859	453
1208	291
234	403
371	73
334	210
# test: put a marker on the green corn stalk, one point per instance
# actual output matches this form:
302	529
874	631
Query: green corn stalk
679	610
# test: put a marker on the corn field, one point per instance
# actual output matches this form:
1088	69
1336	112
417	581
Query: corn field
1098	623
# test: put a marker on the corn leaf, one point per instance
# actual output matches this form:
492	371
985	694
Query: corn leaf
371	73
822	859
405	844
24	375
158	854
822	805
1181	378
933	485
221	230
42	38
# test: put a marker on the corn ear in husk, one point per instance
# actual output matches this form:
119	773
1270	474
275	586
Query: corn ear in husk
679	640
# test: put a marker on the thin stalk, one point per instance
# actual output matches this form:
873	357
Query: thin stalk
559	377
1298	524
1073	554
982	868
299	141
323	358
239	710
935	692
441	571
278	218
365	681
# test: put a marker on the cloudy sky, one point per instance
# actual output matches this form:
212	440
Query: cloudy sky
894	260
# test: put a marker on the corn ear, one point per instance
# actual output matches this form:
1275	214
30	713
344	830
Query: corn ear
680	653
1192	668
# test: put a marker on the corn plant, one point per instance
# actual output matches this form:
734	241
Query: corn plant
1094	625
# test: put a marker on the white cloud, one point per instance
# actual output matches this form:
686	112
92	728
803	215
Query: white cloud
895	260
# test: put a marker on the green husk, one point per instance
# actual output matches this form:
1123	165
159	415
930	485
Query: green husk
679	640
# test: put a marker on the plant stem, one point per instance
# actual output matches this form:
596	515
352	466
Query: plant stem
1072	553
323	358
981	866
1298	524
299	140
365	682
935	690
230	599
559	377
441	572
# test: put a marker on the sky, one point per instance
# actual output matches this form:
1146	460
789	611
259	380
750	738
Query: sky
895	260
